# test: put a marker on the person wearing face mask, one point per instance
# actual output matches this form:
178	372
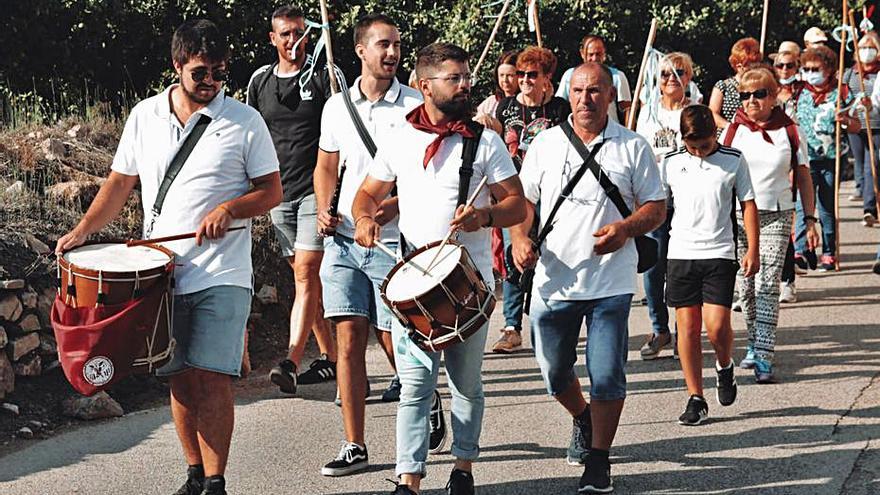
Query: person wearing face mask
774	149
506	85
816	118
724	100
592	49
869	48
786	64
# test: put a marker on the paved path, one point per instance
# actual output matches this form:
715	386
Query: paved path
816	432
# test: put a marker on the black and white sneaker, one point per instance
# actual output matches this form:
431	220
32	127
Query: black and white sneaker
596	477
725	385
437	437
695	413
321	370
351	459
284	375
460	483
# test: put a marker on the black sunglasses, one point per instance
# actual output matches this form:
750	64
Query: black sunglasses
786	65
811	69
532	74
218	75
758	94
666	74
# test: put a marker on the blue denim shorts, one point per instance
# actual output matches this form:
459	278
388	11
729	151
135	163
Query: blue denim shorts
351	276
296	225
556	327
209	329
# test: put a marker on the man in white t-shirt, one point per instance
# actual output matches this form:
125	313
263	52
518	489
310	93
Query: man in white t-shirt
425	166
587	265
351	275
230	176
593	50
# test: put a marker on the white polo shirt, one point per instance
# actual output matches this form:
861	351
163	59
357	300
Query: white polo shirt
235	148
428	196
568	269
769	165
702	193
383	119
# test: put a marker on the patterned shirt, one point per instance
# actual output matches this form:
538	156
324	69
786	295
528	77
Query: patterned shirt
817	124
730	103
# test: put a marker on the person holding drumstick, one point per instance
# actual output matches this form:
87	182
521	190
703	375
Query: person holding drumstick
433	138
230	176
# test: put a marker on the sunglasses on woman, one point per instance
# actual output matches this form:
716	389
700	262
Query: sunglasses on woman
811	69
532	74
218	75
666	74
785	65
759	94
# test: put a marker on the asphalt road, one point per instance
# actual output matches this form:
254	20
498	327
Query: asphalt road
815	432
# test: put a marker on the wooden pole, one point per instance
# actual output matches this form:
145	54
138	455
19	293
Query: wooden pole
837	138
652	33
328	47
491	40
538	26
868	130
764	26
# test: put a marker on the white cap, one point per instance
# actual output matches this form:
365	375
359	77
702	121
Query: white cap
815	35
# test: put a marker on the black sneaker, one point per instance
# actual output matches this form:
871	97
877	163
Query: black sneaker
581	439
596	477
321	370
214	485
284	375
725	385
876	267
695	413
351	459
195	478
438	425
812	260
460	483
392	393
401	489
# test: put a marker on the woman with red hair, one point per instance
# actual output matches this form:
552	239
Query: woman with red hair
724	101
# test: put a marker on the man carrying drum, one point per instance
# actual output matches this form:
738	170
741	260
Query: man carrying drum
434	139
230	176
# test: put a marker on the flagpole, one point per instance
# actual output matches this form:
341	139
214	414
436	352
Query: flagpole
652	33
491	40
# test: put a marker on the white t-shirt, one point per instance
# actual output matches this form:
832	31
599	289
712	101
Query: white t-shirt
701	191
769	165
383	119
428	196
235	148
620	84
568	269
661	129
488	106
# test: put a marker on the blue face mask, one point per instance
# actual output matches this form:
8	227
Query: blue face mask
814	78
789	80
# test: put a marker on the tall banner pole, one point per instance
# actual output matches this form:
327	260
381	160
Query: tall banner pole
328	47
652	33
491	40
868	130
764	26
837	139
538	26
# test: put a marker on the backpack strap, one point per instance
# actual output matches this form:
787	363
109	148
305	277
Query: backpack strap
794	141
468	156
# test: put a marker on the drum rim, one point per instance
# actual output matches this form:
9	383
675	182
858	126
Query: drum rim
400	264
67	266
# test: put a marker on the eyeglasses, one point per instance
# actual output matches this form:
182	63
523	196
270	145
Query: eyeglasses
786	65
532	74
666	74
455	79
811	69
759	94
218	75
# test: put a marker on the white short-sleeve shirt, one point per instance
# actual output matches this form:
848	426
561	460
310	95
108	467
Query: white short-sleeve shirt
383	119
702	193
621	84
568	268
428	195
235	148
769	164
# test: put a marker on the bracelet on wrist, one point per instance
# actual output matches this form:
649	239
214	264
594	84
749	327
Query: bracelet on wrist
810	218
226	209
361	218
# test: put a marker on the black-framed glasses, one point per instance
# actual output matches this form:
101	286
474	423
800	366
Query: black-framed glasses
785	65
811	69
455	79
218	75
759	94
531	74
666	74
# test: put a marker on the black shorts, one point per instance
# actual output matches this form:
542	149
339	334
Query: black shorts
695	282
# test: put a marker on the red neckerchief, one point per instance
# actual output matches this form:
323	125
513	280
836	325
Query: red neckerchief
875	68
777	120
820	95
418	117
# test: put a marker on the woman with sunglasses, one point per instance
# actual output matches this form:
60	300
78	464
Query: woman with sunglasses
787	66
724	100
506	84
869	49
816	107
773	148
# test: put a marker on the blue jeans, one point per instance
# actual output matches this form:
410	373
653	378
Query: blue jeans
822	173
655	280
556	326
513	296
864	175
464	363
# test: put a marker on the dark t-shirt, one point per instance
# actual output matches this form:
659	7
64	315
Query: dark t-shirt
294	123
521	123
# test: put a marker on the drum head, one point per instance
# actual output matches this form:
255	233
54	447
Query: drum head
408	282
116	257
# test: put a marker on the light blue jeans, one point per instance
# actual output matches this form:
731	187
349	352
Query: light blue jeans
464	363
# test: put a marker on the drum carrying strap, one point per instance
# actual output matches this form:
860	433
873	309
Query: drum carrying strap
174	168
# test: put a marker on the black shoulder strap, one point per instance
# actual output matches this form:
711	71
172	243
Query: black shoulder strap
468	155
590	162
358	122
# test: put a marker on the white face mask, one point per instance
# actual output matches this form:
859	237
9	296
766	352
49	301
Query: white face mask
789	80
814	78
868	55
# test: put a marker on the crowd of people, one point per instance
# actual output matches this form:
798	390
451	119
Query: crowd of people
716	204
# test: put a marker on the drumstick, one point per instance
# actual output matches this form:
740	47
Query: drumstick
385	249
133	243
470	202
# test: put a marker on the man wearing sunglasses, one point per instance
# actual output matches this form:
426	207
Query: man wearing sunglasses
230	176
290	95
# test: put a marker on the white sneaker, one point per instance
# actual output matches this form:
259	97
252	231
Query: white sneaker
868	220
787	293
